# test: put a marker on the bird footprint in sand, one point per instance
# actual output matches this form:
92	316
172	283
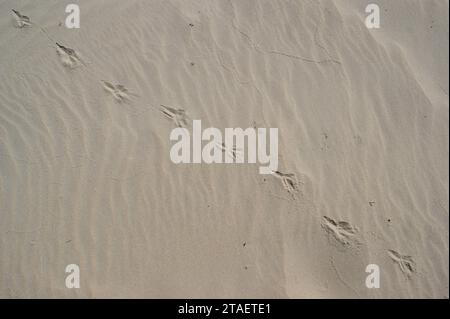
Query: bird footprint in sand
21	20
119	91
69	57
342	231
289	181
406	263
233	152
178	116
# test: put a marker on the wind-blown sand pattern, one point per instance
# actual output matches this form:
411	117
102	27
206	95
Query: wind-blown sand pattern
86	177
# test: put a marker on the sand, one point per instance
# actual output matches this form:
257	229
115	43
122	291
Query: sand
86	178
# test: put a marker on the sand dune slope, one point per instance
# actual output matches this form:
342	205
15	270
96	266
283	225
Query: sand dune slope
86	177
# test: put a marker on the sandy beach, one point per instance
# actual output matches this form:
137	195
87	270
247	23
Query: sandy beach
362	175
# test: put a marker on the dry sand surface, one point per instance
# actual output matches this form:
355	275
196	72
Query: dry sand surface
86	177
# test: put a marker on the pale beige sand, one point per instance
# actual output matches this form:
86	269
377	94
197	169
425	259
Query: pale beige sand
363	118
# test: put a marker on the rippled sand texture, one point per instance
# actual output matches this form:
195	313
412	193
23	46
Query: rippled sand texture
86	178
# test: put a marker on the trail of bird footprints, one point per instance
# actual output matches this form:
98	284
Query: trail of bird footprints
345	234
71	59
342	231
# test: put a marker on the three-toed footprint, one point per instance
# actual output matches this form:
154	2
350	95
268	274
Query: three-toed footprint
178	116
288	180
21	20
232	152
120	92
406	263
342	231
69	57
